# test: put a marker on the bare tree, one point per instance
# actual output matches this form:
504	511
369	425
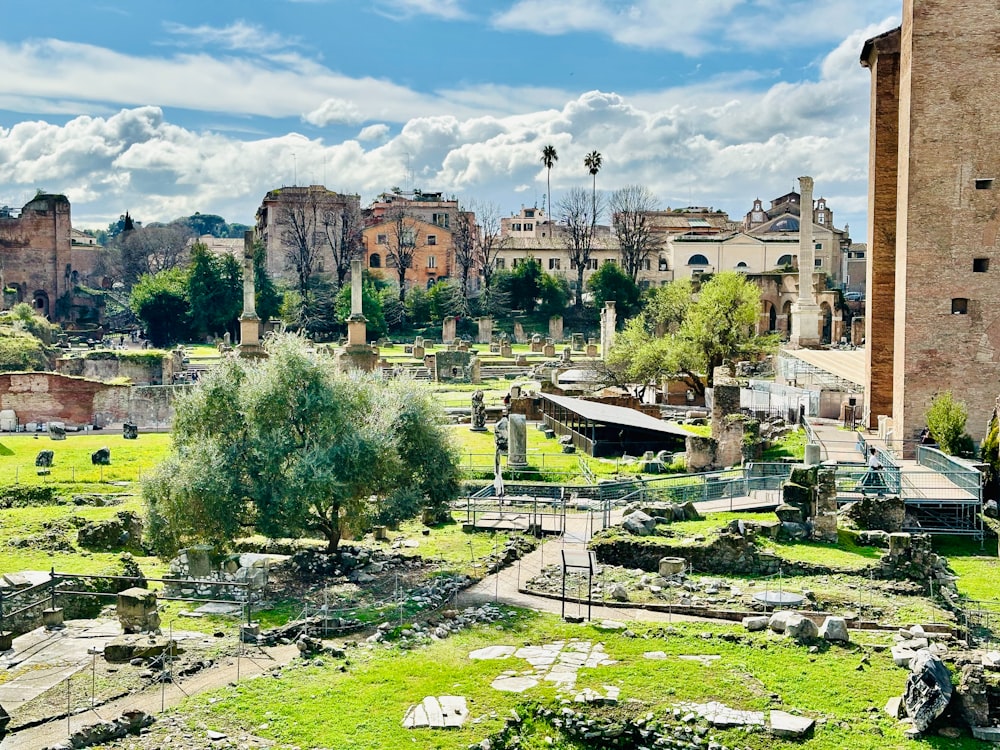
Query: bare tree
463	239
577	227
402	236
631	209
342	228
489	240
149	250
303	238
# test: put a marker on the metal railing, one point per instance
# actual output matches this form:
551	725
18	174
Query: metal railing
958	471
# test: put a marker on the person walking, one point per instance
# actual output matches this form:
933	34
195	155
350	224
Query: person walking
873	479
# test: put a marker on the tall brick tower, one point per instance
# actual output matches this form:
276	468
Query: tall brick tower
934	183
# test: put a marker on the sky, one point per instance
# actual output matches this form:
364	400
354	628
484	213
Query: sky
165	109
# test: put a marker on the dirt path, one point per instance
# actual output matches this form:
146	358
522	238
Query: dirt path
154	699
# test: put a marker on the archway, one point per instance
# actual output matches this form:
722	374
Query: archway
772	317
786	310
40	303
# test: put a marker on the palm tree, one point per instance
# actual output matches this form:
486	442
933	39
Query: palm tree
592	162
549	157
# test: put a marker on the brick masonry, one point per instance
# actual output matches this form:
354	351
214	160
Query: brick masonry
948	127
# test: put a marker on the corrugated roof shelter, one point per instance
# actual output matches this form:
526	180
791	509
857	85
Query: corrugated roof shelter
604	430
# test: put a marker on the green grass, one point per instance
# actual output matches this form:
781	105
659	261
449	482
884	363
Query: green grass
72	470
294	709
977	566
791	445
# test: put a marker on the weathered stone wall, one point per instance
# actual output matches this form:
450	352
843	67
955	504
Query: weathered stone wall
140	372
47	396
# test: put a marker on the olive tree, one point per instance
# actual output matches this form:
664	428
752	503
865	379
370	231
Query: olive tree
291	447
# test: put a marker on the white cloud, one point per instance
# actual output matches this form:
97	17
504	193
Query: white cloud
719	143
334	111
695	28
238	35
374	132
449	10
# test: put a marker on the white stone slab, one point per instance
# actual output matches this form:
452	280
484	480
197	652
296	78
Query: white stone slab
492	652
784	724
513	684
655	655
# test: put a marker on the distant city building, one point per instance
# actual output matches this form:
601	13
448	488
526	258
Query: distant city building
290	215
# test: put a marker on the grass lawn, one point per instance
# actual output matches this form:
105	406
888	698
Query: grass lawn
755	672
72	470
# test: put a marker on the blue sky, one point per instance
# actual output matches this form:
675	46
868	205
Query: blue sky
168	108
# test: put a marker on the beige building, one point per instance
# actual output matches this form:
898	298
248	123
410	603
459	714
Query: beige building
934	180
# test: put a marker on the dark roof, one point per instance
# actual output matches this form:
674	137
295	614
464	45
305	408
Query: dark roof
620	415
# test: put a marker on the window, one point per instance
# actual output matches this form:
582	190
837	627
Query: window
784	260
984	183
528	227
960	306
591	264
432	261
822	218
529	214
818	246
501	263
516	226
698	260
742	266
644	264
663	264
553	264
375	261
980	265
442	220
432	239
516	262
431	281
409	237
382	239
818	262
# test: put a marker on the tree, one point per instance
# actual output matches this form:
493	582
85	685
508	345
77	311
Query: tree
418	306
721	322
717	327
578	230
161	302
214	291
549	158
446	298
463	239
667	306
946	420
343	236
489	239
302	235
402	237
292	447
609	282
371	306
593	163
631	208
267	299
148	250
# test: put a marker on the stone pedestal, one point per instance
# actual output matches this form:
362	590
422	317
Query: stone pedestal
806	321
52	618
199	561
517	441
137	611
857	330
418	352
505	351
358	357
357	330
485	329
556	328
6	640
448	327
578	342
549	350
591	350
536	344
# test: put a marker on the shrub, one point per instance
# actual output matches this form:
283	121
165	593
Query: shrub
946	420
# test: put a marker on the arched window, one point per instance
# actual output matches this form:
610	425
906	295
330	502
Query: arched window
698	260
742	266
784	260
374	260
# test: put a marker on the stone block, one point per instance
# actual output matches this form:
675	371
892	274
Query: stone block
671	566
756	623
52	618
835	629
784	724
801	628
804	475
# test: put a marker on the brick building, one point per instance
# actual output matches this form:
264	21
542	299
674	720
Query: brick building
41	264
932	324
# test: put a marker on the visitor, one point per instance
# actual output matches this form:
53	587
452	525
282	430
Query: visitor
873	479
925	437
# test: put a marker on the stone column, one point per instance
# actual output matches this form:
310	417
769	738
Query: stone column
806	314
357	329
249	322
609	320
